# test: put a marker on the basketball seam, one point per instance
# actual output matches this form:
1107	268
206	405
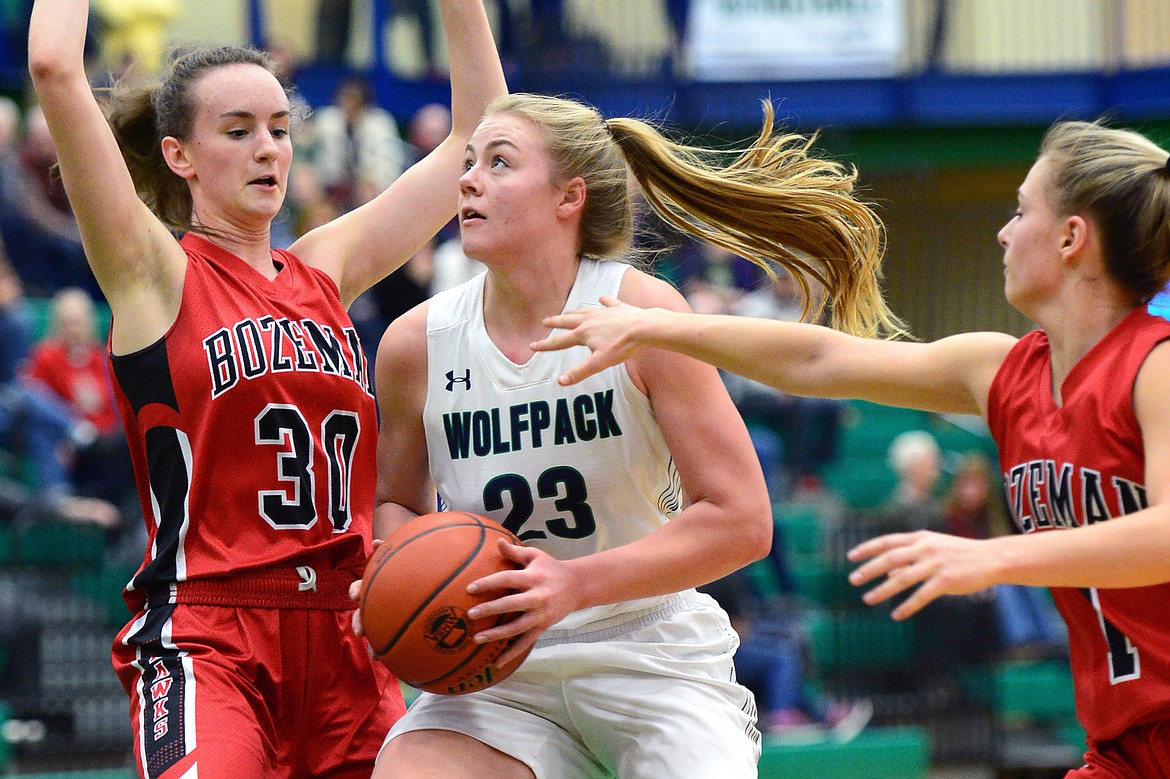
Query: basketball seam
413	617
406	624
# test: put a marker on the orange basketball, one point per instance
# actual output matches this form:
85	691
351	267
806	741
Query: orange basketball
414	602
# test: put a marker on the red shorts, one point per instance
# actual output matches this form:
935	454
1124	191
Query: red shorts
260	688
1142	752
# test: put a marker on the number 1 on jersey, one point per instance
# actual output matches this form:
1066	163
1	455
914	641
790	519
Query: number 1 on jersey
1124	660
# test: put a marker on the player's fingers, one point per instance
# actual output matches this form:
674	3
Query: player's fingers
876	546
517	553
513	627
356	622
897	581
566	321
501	632
917	600
883	564
355	590
594	364
518	647
513	601
497	582
561	340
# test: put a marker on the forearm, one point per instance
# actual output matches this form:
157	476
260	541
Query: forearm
1129	551
780	354
388	517
477	77
700	545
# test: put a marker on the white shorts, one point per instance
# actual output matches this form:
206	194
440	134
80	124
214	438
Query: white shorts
651	696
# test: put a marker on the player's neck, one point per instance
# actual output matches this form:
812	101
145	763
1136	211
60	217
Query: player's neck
517	302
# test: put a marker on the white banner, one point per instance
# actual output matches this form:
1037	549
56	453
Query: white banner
747	40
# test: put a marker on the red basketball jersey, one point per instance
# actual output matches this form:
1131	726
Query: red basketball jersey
1083	462
251	424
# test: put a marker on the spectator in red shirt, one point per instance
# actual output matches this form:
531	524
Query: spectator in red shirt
70	363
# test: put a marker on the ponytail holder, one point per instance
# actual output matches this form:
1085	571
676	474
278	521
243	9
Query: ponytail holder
1166	166
605	126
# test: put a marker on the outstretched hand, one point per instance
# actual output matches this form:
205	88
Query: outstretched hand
938	564
606	331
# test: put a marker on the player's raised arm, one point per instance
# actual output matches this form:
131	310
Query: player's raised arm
136	261
369	243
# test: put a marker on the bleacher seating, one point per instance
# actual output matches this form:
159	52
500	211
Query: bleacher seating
882	753
5	750
861	475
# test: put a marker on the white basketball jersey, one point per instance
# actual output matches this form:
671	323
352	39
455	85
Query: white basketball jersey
571	470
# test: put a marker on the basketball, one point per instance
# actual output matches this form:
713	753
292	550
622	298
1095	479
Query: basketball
414	602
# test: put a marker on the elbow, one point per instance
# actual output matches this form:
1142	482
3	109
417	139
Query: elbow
40	67
756	537
45	67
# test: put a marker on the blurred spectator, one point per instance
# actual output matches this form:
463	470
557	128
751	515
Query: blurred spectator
1029	625
678	14
71	364
70	361
392	297
772	662
307	205
972	507
451	266
135	31
36	221
408	286
356	148
1005	620
954	630
914	504
532	31
429	126
809	427
548	23
768	443
695	265
32	420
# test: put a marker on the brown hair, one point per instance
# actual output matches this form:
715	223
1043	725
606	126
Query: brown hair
1118	178
773	204
142	114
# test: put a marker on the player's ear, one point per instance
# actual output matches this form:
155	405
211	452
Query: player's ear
572	197
1078	234
176	158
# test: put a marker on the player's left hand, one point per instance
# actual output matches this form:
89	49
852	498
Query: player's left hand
355	592
935	563
541	593
606	331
